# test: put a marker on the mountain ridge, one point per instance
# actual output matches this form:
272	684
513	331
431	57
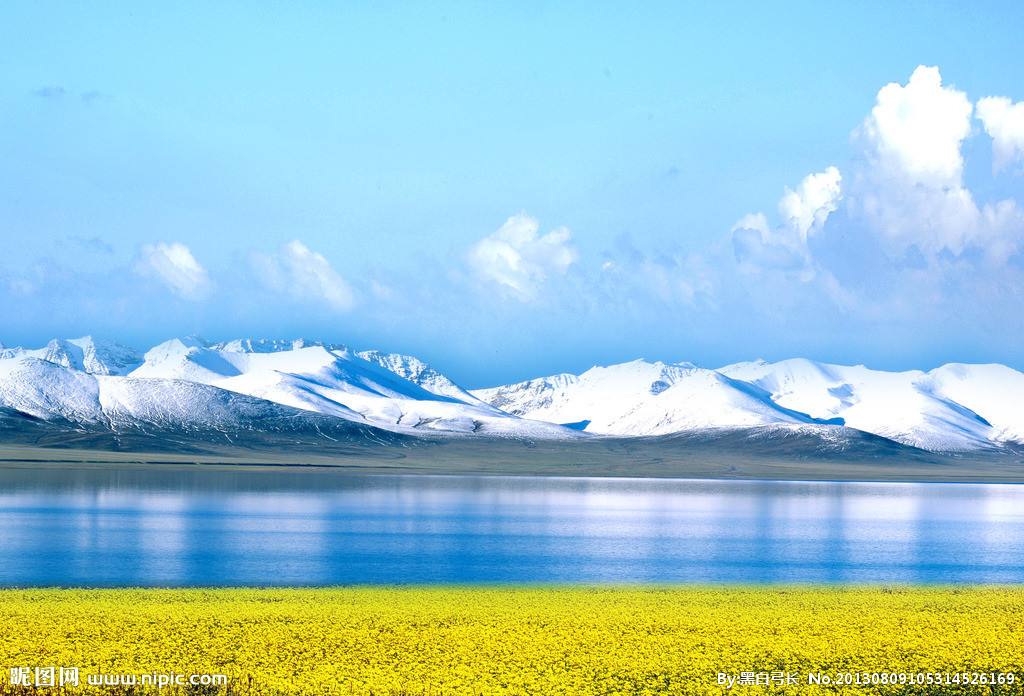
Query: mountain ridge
914	408
191	385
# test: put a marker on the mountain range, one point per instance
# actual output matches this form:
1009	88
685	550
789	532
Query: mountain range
191	389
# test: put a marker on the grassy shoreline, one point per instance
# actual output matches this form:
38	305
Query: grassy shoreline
522	639
510	458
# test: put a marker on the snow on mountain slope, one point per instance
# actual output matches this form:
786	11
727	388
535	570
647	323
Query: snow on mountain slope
545	398
248	345
702	399
896	405
48	391
641	398
799	384
193	384
596	396
419	373
179	406
65	396
239	369
994	392
103	357
333	380
953	408
95	356
189	359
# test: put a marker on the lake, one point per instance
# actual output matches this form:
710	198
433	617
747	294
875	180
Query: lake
187	527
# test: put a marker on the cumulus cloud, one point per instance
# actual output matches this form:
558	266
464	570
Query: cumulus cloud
898	238
806	209
915	131
757	245
911	192
518	260
175	266
1004	122
302	272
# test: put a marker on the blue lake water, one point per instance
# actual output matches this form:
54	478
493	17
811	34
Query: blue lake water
96	527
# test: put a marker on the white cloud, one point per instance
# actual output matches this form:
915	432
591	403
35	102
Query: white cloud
757	245
175	265
911	192
807	208
301	272
518	260
1004	121
915	132
908	238
21	287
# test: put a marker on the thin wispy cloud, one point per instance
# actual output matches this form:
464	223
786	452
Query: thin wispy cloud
174	265
92	244
300	272
94	96
50	92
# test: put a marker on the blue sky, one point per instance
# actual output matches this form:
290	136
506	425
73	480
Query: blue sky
509	191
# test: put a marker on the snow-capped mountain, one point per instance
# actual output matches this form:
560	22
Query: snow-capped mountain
909	407
993	391
189	383
952	408
96	356
641	398
420	373
36	390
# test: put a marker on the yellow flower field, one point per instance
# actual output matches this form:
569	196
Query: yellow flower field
525	640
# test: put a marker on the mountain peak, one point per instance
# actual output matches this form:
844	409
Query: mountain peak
195	341
87	354
273	345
